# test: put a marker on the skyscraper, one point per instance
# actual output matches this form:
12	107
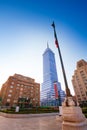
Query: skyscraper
51	93
79	81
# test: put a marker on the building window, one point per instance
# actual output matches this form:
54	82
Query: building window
8	100
37	92
12	82
25	78
86	93
78	95
11	86
84	98
15	101
17	88
80	64
21	89
81	72
10	91
36	98
79	99
21	93
9	95
31	91
84	77
74	86
31	94
81	92
33	99
83	95
25	86
18	84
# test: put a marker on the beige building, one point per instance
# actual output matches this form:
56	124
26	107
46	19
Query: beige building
79	81
18	89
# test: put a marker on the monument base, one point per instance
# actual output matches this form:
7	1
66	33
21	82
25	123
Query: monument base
74	126
73	118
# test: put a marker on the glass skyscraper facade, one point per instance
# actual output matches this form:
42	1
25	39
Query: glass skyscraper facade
48	93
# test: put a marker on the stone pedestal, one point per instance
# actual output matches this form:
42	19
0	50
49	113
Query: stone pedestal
73	118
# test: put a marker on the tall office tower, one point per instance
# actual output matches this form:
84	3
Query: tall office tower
51	93
79	81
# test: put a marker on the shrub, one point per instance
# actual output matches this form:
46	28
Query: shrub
31	110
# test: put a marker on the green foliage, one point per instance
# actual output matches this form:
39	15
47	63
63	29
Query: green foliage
35	110
86	115
84	110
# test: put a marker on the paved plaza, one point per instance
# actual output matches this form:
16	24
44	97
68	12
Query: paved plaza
30	123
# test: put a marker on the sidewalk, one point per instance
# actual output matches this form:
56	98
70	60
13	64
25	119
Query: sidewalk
34	123
26	115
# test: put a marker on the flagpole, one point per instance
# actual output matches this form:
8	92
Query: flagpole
68	94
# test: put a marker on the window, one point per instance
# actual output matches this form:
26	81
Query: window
21	93
83	95
8	100
81	88
33	99
21	89
31	91
78	95
31	94
25	78
80	64
81	92
84	98
9	95
18	84
36	98
12	82
79	99
81	72
86	93
10	91
15	101
11	86
37	92
74	86
25	86
17	88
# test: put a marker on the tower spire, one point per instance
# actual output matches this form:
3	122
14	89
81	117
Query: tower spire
47	45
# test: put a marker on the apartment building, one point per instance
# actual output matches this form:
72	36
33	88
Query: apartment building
79	81
19	88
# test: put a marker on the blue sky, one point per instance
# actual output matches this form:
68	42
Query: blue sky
25	29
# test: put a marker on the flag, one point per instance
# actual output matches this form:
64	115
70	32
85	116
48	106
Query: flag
56	90
56	41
